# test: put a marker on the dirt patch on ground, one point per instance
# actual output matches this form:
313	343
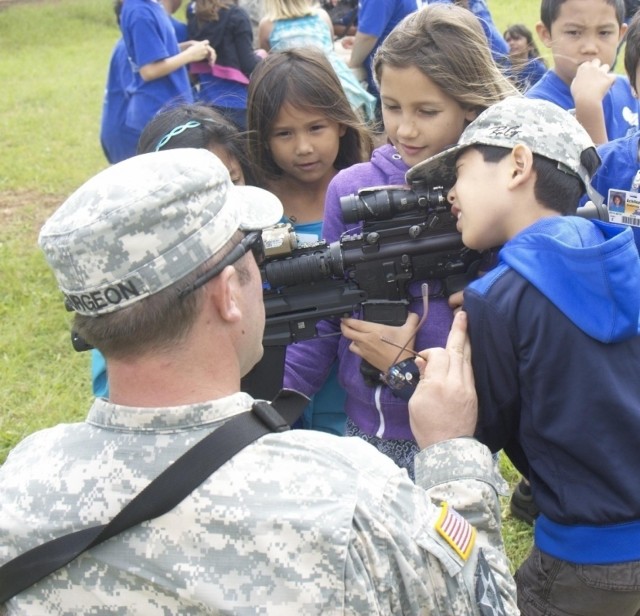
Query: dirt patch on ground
26	207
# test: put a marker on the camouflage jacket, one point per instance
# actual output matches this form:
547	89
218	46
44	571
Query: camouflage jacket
300	522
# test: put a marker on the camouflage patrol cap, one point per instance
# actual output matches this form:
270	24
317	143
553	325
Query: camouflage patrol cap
144	223
548	130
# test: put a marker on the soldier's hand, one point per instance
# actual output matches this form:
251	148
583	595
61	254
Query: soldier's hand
445	404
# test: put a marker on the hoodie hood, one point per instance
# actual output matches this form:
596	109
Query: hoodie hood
390	164
590	270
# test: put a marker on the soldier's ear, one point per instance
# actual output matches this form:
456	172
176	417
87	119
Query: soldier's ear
223	292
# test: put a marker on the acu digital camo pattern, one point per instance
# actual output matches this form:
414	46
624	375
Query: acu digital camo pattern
299	523
548	130
140	225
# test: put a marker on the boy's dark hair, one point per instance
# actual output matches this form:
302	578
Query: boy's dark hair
554	188
632	50
549	10
208	10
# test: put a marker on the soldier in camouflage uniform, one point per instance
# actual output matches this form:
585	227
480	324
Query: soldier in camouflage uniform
300	522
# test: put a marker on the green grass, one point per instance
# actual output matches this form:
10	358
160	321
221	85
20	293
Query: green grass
525	12
55	56
53	64
43	381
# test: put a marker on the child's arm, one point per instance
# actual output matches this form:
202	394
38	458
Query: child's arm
362	46
243	40
265	27
366	340
590	85
199	50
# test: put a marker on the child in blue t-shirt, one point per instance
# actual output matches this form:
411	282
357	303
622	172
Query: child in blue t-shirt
118	141
620	157
527	67
376	19
583	38
157	60
619	172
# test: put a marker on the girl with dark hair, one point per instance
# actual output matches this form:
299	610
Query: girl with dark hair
199	126
302	131
527	67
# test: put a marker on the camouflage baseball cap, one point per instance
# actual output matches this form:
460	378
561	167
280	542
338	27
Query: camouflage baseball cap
144	223
548	130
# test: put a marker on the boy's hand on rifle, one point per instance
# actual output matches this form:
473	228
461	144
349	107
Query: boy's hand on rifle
366	340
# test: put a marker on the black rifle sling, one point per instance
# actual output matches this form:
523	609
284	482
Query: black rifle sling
161	495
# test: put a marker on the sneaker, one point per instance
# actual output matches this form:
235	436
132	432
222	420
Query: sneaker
522	505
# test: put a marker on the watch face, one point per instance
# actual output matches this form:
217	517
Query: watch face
402	378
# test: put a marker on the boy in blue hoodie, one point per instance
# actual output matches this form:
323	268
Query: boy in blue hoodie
556	350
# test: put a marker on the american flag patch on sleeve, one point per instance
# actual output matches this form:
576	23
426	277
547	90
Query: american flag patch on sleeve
457	532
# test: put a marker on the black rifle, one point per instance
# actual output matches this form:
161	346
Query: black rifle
406	234
402	235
